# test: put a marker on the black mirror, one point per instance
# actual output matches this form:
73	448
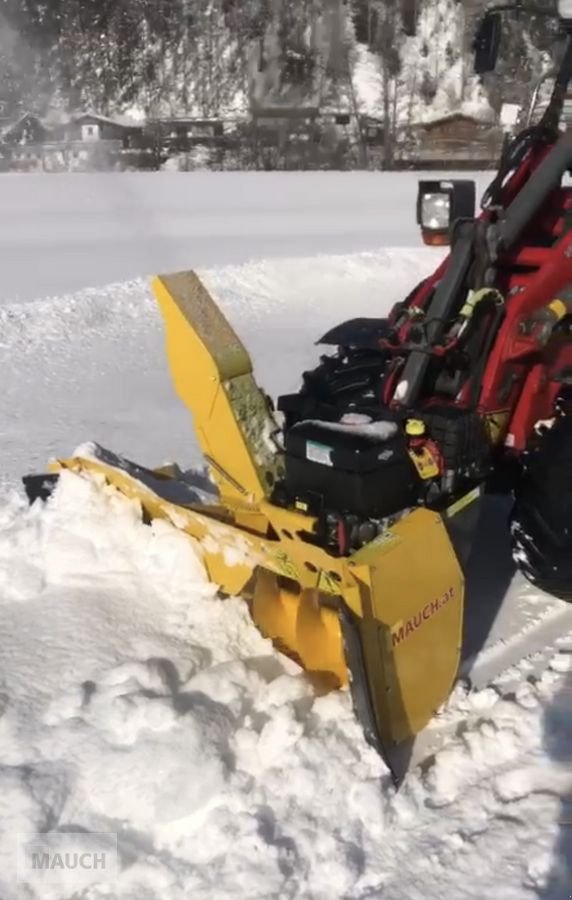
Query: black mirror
486	43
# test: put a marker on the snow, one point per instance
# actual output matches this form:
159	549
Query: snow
438	52
350	424
368	81
95	360
134	700
89	230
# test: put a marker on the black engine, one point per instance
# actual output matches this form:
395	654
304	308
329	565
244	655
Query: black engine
357	464
352	466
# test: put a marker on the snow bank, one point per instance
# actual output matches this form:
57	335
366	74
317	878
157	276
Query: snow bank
92	365
137	702
134	701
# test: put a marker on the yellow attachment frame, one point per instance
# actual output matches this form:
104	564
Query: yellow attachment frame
402	594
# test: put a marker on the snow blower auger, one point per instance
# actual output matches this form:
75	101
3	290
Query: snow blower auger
347	524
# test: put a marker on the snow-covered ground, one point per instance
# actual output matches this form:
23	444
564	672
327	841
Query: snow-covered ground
134	701
67	232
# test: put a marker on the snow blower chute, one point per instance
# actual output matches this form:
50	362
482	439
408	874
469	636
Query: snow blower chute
347	525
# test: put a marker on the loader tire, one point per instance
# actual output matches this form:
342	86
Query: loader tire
541	523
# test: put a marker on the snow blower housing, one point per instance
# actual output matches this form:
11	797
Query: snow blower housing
346	524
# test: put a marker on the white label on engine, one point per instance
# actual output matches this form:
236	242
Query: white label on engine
319	453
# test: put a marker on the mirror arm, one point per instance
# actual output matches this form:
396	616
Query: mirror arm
534	100
552	114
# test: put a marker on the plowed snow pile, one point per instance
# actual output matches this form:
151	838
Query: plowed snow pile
134	700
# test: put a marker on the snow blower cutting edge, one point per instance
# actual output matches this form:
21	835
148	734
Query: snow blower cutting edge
347	525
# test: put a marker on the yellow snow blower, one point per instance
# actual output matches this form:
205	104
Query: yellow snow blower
386	617
346	517
345	530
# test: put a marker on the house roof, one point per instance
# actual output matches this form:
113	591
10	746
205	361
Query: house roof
118	121
107	120
452	117
8	129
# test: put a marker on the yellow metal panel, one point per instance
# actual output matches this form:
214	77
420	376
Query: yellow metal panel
302	625
232	551
212	374
412	597
229	555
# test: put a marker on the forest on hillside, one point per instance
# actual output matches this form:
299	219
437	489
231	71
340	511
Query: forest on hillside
398	58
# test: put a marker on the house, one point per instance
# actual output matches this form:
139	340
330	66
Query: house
284	136
179	134
192	141
89	141
307	137
28	129
85	142
90	127
279	125
456	140
22	143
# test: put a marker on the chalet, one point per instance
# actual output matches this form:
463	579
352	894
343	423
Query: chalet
307	137
283	136
179	134
280	125
28	129
457	140
90	127
22	143
88	141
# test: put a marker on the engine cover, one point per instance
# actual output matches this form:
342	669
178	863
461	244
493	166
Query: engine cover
362	470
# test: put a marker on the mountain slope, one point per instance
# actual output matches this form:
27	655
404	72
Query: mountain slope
215	57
